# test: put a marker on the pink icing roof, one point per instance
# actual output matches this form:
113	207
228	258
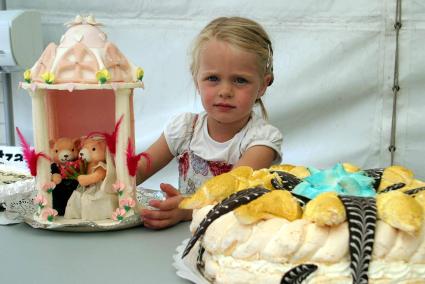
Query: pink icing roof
82	52
89	35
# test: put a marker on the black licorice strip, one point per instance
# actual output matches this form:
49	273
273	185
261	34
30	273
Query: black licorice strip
298	274
302	200
361	215
288	181
376	174
392	187
200	263
414	191
232	202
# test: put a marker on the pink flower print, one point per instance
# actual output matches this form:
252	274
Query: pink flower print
199	165
49	214
218	168
183	165
41	201
127	203
118	187
48	187
119	214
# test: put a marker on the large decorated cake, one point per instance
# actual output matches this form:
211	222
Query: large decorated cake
292	224
83	122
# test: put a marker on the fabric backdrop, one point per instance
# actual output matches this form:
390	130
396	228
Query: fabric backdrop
333	63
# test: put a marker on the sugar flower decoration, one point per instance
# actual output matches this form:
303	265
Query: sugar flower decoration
103	76
336	179
49	214
139	73
119	214
48	77
48	187
41	201
118	187
27	75
127	203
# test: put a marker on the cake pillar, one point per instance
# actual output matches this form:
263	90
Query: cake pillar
123	108
41	140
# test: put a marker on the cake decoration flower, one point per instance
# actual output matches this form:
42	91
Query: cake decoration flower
118	187
48	77
119	214
41	201
49	186
127	203
139	73
336	179
27	75
49	214
103	76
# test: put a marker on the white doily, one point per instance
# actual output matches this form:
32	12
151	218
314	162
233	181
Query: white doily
16	197
18	206
186	267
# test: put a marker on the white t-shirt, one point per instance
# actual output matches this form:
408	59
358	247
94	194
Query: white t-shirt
180	132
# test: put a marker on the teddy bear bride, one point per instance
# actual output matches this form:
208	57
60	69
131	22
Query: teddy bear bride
94	199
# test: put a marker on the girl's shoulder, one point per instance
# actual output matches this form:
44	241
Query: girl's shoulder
182	122
180	129
261	133
259	126
183	118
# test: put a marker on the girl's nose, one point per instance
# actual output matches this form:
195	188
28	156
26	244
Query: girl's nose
226	91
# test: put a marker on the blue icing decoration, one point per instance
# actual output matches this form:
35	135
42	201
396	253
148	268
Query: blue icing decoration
336	180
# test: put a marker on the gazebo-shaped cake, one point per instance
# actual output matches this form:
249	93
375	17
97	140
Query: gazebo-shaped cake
82	90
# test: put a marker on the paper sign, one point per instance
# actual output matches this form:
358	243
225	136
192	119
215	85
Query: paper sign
12	155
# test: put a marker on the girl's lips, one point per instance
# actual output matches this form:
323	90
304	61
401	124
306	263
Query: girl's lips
224	106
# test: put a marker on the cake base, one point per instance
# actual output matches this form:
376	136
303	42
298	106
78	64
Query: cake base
78	225
257	272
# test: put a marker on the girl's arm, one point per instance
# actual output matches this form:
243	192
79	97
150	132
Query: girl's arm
160	156
168	212
257	157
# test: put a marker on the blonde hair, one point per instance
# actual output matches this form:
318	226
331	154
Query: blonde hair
242	33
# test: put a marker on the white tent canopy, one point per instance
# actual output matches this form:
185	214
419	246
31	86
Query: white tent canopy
333	60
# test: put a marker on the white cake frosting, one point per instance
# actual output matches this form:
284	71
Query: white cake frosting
263	252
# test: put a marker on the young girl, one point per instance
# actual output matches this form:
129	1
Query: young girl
232	66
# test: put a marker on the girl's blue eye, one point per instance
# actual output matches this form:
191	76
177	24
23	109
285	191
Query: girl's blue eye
212	78
240	80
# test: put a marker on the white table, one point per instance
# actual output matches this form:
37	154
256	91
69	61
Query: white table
136	255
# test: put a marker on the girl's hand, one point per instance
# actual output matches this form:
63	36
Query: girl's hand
168	213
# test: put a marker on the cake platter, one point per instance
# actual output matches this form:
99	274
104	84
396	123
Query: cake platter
22	208
72	225
143	195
